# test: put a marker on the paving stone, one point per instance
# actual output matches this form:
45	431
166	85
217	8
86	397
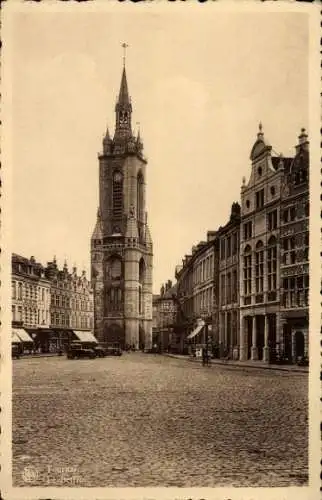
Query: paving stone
149	420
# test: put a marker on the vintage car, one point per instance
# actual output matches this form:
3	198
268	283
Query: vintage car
100	351
113	350
77	351
15	351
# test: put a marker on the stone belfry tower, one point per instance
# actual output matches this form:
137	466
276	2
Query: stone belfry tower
121	245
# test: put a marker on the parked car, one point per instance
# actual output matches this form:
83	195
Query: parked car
15	352
78	351
100	351
113	350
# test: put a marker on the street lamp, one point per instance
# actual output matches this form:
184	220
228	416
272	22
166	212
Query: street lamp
205	317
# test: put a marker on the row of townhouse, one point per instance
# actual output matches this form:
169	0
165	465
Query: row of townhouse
164	313
250	280
49	303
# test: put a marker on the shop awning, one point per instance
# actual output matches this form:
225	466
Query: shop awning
22	334
85	336
15	339
196	331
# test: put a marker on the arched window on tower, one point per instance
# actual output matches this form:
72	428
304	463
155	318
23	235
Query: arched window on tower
117	194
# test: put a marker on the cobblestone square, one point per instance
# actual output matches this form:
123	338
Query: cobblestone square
150	420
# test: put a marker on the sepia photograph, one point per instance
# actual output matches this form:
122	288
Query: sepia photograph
161	213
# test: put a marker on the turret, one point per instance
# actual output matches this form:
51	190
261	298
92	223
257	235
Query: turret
97	235
107	142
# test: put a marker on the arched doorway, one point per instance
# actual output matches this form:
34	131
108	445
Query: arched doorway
114	334
299	344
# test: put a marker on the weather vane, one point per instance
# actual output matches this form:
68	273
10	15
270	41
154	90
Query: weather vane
125	46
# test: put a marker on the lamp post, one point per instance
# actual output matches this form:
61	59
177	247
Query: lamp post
204	317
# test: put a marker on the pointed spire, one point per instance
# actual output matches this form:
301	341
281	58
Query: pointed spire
124	93
124	98
139	143
98	230
107	142
107	134
123	109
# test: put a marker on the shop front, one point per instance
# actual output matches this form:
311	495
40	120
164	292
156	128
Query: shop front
294	342
26	341
16	343
196	339
86	338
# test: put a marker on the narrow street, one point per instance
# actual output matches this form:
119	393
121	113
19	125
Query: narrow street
149	420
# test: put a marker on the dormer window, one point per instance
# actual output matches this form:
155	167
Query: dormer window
259	171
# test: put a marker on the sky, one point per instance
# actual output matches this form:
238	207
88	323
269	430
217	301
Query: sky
199	85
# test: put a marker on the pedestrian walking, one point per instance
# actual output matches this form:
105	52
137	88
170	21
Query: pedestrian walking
204	356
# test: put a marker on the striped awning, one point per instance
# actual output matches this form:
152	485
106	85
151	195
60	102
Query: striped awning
85	336
196	330
22	334
15	339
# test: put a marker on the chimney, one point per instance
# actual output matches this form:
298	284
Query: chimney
235	210
211	235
